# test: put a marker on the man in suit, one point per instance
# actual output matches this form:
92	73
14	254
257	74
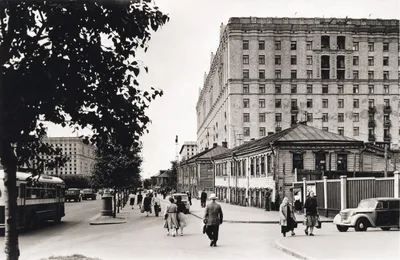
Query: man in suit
213	217
203	198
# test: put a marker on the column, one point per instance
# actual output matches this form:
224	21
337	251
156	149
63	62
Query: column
396	184
304	190
343	192
326	195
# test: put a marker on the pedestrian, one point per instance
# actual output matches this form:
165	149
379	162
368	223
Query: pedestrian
164	194
157	204
287	220
213	217
181	210
171	222
147	204
132	199
311	208
203	199
297	203
189	198
139	200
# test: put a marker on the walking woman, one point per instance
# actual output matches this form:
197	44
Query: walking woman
147	204
132	199
139	200
171	222
311	208
287	220
181	209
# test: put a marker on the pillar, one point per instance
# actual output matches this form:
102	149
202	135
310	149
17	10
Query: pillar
396	184
326	195
343	192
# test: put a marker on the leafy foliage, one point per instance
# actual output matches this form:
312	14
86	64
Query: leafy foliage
76	181
173	175
147	183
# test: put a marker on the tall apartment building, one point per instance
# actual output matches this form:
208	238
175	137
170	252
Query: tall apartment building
188	150
339	75
82	156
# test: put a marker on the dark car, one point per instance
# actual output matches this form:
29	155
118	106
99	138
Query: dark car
89	194
73	194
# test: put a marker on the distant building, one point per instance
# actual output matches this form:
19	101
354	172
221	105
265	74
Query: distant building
188	149
160	180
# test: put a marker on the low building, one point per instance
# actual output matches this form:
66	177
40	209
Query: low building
248	173
160	180
197	172
188	150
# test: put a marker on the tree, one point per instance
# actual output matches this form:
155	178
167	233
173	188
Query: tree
147	183
76	181
173	175
71	63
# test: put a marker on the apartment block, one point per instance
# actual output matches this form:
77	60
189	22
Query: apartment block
188	150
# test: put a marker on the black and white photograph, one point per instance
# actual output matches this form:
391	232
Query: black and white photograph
199	129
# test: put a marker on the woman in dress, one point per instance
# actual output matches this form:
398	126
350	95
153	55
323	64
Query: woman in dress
147	204
171	222
311	207
181	214
132	199
287	220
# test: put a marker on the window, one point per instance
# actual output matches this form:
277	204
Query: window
293	89
340	103
293	45
246	88
386	75
356	117
277	74
293	74
325	117
341	42
246	74
245	45
342	162
262	131
309	117
261	88
340	117
261	45
309	89
355	74
386	89
261	74
356	103
356	46
309	46
261	117
370	75
309	103
277	59
324	89
246	103
261	103
246	117
341	130
309	60
325	103
246	131
370	61
370	46
371	103
245	59
340	89
326	129
356	131
385	61
278	117
261	59
277	45
278	89
371	89
298	161
385	46
278	103
309	74
325	42
355	60
293	60
355	89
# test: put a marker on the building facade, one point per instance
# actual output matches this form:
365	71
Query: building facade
339	75
188	150
81	156
248	173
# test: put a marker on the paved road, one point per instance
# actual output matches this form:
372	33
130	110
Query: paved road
144	238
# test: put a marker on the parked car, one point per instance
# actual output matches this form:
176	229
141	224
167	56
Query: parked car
73	194
89	193
185	200
374	212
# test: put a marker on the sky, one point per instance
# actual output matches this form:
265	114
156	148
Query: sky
180	53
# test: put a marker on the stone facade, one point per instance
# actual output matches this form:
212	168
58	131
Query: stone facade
188	150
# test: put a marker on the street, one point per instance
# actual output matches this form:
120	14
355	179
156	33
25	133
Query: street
144	238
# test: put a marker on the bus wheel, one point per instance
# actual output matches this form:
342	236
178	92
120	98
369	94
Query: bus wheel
57	220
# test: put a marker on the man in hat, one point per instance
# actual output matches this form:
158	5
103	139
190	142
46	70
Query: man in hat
213	217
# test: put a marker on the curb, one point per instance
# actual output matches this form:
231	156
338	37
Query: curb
258	221
108	221
289	251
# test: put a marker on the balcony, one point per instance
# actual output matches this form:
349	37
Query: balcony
371	138
387	123
371	123
387	109
387	138
294	109
372	110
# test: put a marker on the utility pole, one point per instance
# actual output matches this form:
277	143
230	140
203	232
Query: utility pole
386	161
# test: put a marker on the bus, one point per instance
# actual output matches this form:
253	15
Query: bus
38	201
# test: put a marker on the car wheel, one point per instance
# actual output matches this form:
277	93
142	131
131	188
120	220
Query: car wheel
385	228
361	224
342	228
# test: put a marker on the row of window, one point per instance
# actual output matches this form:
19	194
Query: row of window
258	166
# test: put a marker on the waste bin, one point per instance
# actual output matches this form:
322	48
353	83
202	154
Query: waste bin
107	204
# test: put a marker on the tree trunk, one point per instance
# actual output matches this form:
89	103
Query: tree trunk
115	203
9	162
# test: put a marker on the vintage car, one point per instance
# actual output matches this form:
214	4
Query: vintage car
89	194
185	200
73	194
374	212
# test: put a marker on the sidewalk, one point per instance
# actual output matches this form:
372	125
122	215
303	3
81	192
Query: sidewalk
120	218
240	214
